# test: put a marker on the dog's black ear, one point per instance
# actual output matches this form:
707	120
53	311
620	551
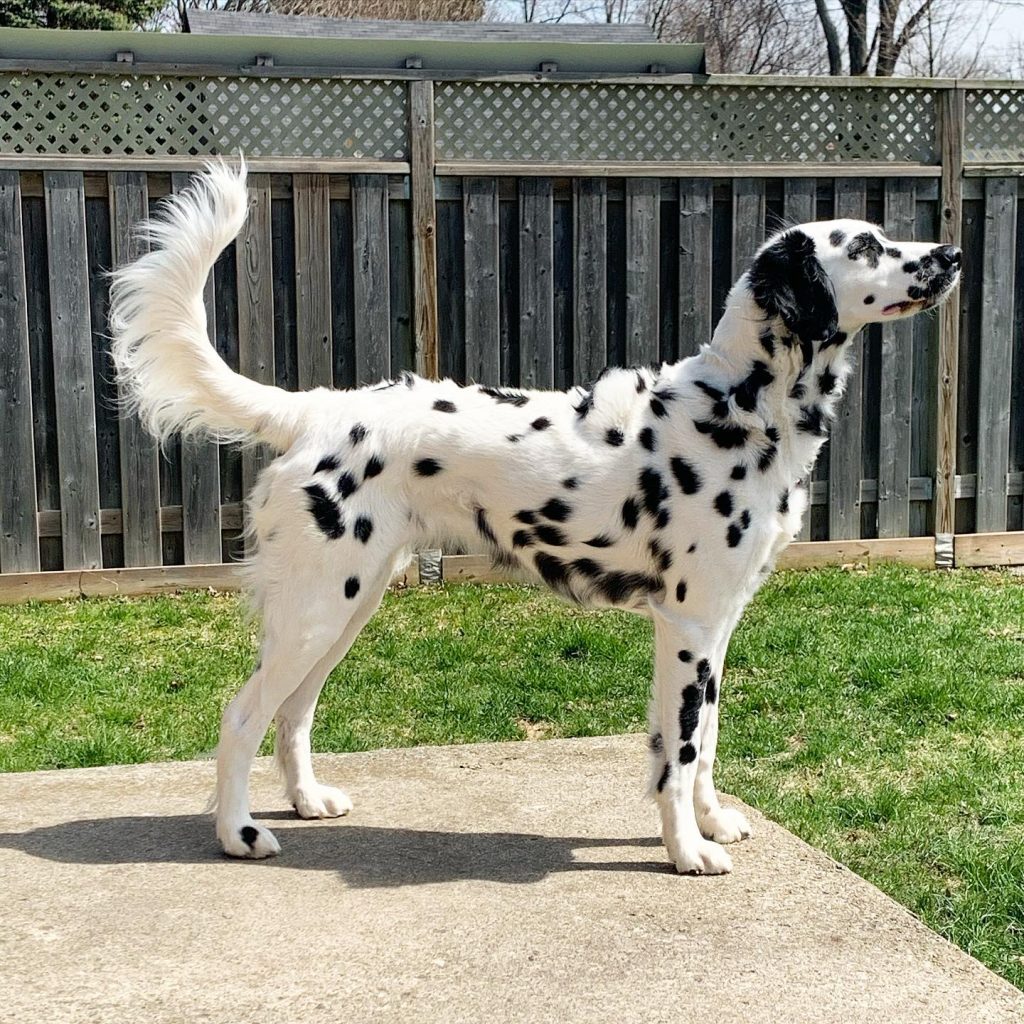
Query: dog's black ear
788	281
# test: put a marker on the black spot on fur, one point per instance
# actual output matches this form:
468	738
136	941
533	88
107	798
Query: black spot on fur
893	253
799	389
503	396
630	514
641	384
352	586
681	592
767	457
571	483
652	488
614	437
526	516
514	438
249	836
865	244
662	519
690	550
733	535
655	744
587	567
647	439
869	300
912	267
826	382
658	408
788	281
600	541
772	433
710	391
784	503
665	773
747	390
812	421
665	561
556	510
325	512
711	690
837	238
689	712
427	467
836	339
522	539
363	528
724	435
686	476
618	587
586	404
767	340
357	433
484	527
745	519
738	472
373	468
443	405
551	569
347	485
685	657
723	504
550	535
326	465
541	423
665	394
687	753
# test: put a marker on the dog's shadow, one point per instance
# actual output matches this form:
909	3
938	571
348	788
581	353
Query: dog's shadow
363	856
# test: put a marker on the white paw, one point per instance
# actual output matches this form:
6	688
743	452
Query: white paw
724	825
701	857
321	802
247	839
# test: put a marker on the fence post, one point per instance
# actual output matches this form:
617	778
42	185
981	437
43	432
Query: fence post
951	132
424	225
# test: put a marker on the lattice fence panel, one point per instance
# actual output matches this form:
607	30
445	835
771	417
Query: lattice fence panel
558	122
994	126
106	115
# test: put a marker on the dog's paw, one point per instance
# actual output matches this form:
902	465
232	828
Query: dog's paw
247	840
321	802
725	825
701	857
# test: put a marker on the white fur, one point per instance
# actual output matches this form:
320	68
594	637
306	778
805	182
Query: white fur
495	460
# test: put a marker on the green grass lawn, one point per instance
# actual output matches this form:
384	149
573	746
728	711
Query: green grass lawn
879	715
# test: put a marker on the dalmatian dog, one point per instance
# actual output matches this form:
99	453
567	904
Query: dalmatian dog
666	491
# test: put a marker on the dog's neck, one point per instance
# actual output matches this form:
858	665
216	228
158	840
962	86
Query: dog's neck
773	381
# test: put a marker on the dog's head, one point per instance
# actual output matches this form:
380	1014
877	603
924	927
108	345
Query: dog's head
842	274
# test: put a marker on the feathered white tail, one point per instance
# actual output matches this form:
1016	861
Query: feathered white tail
166	365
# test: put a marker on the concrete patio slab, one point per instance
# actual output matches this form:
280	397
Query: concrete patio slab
499	882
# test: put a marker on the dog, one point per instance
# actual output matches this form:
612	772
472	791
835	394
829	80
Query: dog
666	491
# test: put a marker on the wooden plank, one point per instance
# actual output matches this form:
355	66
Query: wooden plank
536	286
747	222
255	307
55	586
477	569
696	199
845	445
981	549
72	369
200	463
915	551
897	380
590	278
681	169
311	201
140	466
371	278
951	129
19	543
799	203
996	342
480	262
643	246
424	227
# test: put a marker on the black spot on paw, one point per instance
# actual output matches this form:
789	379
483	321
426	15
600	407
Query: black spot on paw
249	836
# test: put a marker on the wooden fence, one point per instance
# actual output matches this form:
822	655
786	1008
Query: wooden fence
503	229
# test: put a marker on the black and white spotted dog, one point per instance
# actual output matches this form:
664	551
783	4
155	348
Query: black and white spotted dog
666	491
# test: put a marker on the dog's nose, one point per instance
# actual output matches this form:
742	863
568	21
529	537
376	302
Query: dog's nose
947	256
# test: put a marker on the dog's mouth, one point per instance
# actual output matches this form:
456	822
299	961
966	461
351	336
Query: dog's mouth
937	289
902	308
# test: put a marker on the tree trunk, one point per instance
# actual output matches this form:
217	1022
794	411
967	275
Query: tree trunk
835	54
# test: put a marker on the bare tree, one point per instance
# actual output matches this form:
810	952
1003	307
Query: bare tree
383	10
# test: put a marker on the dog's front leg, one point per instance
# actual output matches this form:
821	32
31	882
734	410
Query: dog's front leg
682	660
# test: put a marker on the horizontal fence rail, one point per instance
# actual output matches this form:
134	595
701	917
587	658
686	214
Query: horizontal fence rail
499	229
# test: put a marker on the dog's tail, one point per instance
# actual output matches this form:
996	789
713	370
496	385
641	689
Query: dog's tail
166	365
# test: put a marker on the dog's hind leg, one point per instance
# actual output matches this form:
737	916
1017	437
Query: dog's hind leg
294	719
682	652
303	618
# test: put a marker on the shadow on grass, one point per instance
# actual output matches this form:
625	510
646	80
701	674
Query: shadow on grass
363	856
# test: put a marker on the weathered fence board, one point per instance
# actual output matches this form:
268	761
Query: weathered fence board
311	198
590	284
72	369
996	353
482	301
642	256
19	544
748	222
896	393
140	473
372	293
536	284
696	199
844	446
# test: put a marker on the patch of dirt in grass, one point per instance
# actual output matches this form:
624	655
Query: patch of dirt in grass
535	730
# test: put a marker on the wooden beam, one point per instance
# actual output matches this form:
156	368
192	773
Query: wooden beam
982	549
482	301
696	202
590	278
424	227
643	247
666	169
311	203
